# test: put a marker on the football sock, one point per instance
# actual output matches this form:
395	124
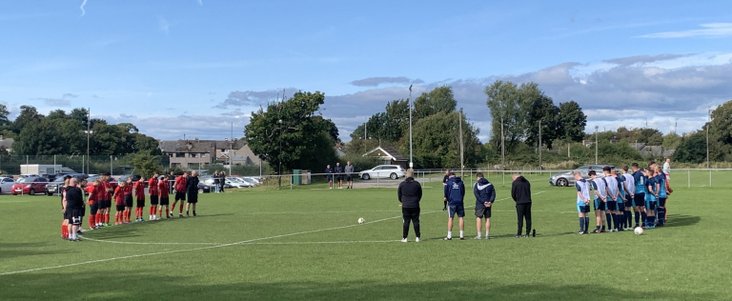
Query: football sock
92	221
449	234
582	224
644	217
609	220
64	231
479	234
461	234
587	224
637	218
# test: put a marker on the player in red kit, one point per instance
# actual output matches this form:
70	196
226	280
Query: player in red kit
139	188
164	194
106	197
152	186
180	194
128	201
90	188
119	202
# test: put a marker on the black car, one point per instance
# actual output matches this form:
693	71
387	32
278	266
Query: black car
55	186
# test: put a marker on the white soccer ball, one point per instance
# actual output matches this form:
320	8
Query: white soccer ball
638	231
361	220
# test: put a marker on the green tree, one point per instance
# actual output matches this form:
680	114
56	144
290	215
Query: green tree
692	148
509	105
146	164
28	115
720	133
437	145
571	121
439	100
542	111
4	121
287	131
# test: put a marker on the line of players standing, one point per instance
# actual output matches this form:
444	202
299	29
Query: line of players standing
618	193
102	193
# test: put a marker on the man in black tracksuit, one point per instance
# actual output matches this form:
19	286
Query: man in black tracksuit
410	194
521	194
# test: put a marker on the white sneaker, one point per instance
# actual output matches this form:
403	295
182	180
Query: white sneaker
416	239
404	240
478	237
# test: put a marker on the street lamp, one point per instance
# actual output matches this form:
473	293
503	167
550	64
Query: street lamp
279	155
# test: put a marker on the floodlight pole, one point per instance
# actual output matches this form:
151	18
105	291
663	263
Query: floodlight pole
503	147
88	138
540	144
409	101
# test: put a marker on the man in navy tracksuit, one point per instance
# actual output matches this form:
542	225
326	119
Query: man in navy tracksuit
454	194
410	194
485	196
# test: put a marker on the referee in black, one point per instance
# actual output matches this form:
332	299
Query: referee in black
410	194
521	194
74	207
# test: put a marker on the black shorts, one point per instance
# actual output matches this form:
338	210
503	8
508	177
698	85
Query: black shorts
75	216
128	201
628	201
93	208
164	201
193	197
120	207
600	205
67	214
349	178
611	205
103	204
639	200
140	202
482	211
154	200
583	208
180	196
662	202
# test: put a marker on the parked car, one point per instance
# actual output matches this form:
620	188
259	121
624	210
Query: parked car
567	178
29	185
237	182
383	172
54	187
6	185
255	180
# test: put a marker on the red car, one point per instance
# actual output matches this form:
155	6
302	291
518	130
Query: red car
30	185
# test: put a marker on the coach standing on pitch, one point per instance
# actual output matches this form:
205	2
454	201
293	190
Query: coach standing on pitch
521	194
410	194
192	189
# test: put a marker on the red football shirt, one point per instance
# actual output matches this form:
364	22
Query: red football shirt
152	185
119	195
163	188
180	184
140	189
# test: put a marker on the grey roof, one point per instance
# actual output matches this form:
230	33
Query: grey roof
388	151
7	143
198	146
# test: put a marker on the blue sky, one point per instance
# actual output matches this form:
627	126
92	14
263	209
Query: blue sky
194	66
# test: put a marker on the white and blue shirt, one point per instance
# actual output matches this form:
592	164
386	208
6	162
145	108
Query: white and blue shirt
598	184
584	189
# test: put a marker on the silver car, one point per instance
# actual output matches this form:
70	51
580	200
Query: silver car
383	172
566	178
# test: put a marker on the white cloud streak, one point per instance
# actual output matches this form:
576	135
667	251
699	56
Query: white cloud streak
707	30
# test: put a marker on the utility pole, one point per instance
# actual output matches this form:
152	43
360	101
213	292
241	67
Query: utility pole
539	143
596	141
409	101
88	139
503	147
462	147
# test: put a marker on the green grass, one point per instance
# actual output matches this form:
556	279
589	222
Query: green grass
291	244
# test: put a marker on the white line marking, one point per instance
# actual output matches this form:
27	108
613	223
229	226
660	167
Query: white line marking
192	249
150	243
321	242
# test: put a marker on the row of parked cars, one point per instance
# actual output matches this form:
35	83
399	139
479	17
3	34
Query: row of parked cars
51	185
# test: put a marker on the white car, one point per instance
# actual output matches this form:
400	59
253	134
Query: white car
383	172
6	185
238	183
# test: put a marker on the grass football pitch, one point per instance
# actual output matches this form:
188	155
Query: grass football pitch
305	244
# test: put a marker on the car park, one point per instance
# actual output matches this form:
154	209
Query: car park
383	172
566	178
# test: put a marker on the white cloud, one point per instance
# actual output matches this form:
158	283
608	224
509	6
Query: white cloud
714	30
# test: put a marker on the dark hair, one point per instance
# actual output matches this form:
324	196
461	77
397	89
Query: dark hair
592	173
106	174
634	164
607	168
479	175
451	173
625	167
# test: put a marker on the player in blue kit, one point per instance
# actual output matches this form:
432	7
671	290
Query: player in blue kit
583	202
662	196
651	198
639	197
629	188
600	190
613	200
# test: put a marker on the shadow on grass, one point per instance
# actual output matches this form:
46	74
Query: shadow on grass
12	250
154	286
682	220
